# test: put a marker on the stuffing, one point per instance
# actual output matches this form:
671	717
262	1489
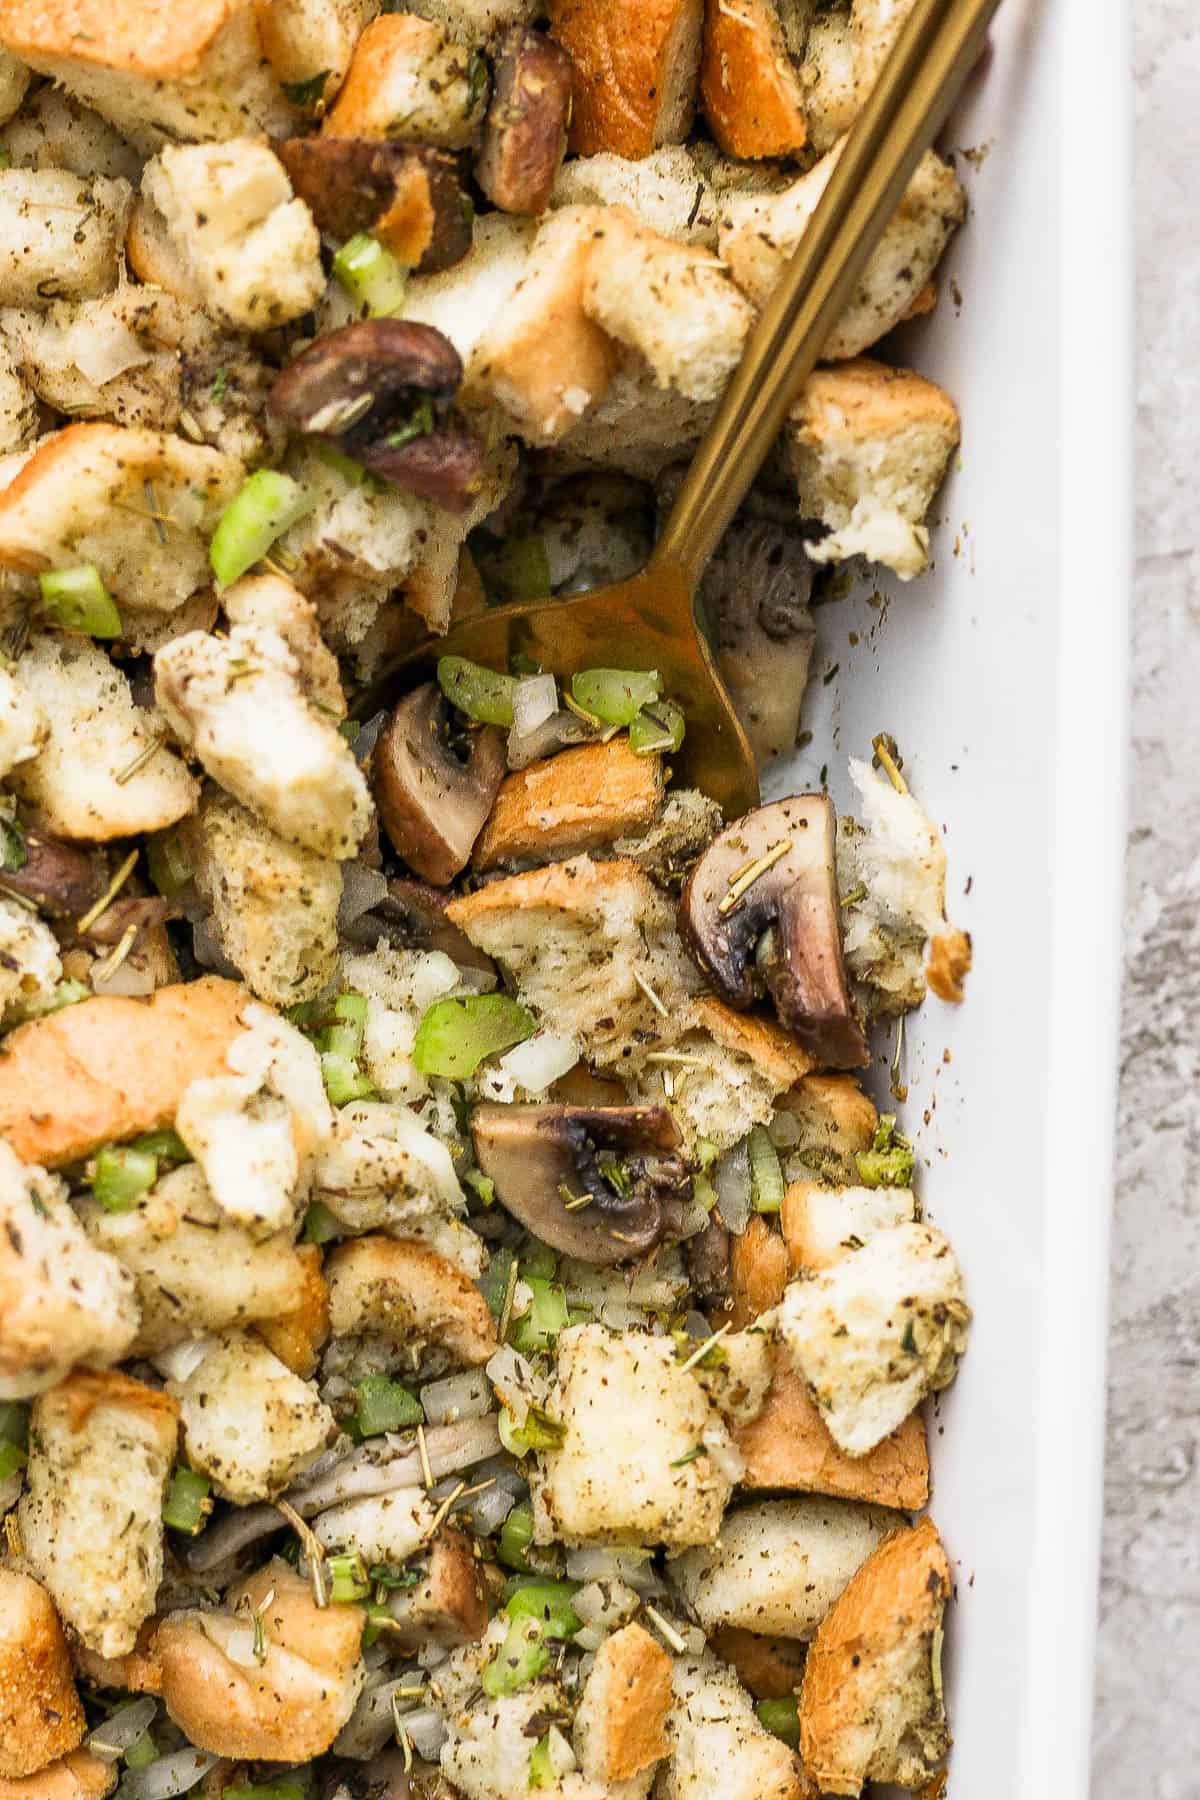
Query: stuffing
720	1751
237	703
399	985
759	234
465	302
489	1741
256	1130
753	97
287	1707
720	1070
298	1335
737	1380
111	1067
675	304
101	1448
431	589
897	855
448	1607
53	131
578	800
251	248
412	80
60	236
876	1332
24	727
190	73
388	1528
869	447
274	905
638	426
404	1293
30	965
305	40
604	1484
97	732
82	499
40	1715
871	1706
788	1446
80	1776
583	942
822	1224
272	602
666	190
18	402
620	1720
636	68
62	1301
382	1170
248	1422
823	1123
829	77
193	1271
779	1564
666	849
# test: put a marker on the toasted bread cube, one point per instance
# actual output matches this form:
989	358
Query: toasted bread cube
272	602
24	727
667	190
606	1484
579	800
758	1271
248	1422
305	39
621	1718
410	79
871	1706
299	1334
897	855
831	89
409	1295
109	1068
288	1706
40	1714
878	1331
833	1121
382	1170
14	82
636	68
821	1224
387	1528
752	96
101	1452
60	236
466	302
725	1069
720	1750
53	131
738	1380
449	1606
137	1672
79	1776
787	1445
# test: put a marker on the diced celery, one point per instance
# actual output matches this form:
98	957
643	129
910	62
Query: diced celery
348	1579
320	1226
343	1079
890	1160
188	1502
766	1176
516	1535
615	696
455	1036
264	507
483	694
121	1174
781	1718
383	1405
547	1316
79	601
371	275
660	727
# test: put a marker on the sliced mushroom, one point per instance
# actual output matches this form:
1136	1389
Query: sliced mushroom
708	1261
61	879
763	900
525	133
604	1184
432	803
413	916
382	389
407	195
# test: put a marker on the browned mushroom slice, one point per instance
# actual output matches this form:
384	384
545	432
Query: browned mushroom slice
604	1184
525	133
763	899
432	802
409	196
412	915
61	879
756	591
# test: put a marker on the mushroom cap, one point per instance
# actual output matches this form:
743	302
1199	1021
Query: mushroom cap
432	805
775	871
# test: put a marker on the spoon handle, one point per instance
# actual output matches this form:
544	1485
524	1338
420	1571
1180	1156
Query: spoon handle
931	59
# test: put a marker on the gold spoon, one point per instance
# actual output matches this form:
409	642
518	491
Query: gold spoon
651	620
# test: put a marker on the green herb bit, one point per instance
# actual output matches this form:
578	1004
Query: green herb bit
383	1405
541	1431
371	275
344	1080
484	695
272	1790
167	861
657	728
220	382
781	1718
13	853
615	696
266	505
538	1262
541	1768
307	94
477	79
12	1461
348	1579
68	993
538	1328
419	423
455	1036
121	1174
890	1160
320	1226
188	1502
689	1456
379	1620
513	568
516	1535
165	1146
79	601
766	1176
482	1185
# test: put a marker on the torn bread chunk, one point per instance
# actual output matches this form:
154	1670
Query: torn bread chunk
101	1449
410	1297
79	1776
180	73
62	1301
620	1722
18	402
78	780
298	1334
721	1071
829	77
719	1749
604	1484
895	862
53	131
41	1718
759	235
248	1422
60	235
82	498
272	602
738	1379
410	79
274	905
636	68
386	1528
250	246
490	1741
822	1224
30	964
309	44
878	1331
112	1067
464	301
779	1564
667	190
448	1607
24	727
752	95
579	800
667	847
869	447
287	1705
871	1707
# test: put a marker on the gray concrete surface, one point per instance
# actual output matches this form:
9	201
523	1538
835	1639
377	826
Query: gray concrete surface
1147	1726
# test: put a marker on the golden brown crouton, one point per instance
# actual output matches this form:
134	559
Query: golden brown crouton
299	1335
409	79
834	1120
871	1704
772	1050
80	1776
410	1294
635	67
449	1606
758	1272
821	1223
752	97
112	1067
771	1667
620	1726
578	800
949	964
138	1672
40	1714
788	1446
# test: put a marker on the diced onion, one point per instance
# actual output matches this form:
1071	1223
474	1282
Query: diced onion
605	1603
102	350
731	1178
112	1739
693	1220
371	1723
464	1396
540	1060
170	1775
725	1457
534	700
426	1730
559	1753
488	1511
559	732
368	736
600	1564
181	1361
362	889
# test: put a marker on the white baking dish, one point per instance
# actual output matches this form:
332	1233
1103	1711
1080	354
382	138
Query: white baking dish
1002	676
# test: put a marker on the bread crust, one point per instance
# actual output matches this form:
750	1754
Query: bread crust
298	1336
406	1291
80	1776
771	1667
758	1271
635	65
112	1067
628	1696
762	1041
866	399
752	96
949	964
40	1715
578	800
161	42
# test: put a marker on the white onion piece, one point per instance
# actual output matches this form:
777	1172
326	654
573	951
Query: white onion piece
540	1060
465	1396
240	1647
488	1511
534	700
559	1753
368	735
133	980
558	733
362	888
784	1129
181	1361
370	1725
102	350
112	1739
692	1221
427	1732
731	1178
605	1603
726	1458
597	1563
170	1775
